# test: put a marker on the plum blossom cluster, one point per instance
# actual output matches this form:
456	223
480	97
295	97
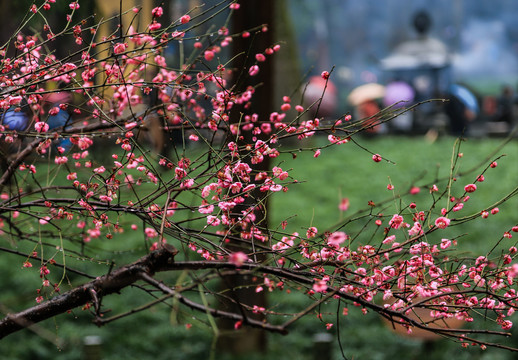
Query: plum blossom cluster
205	185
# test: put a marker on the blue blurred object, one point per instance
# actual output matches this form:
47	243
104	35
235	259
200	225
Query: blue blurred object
65	144
19	121
60	119
15	120
465	96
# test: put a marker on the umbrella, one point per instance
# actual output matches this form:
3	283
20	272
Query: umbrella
398	91
465	96
366	92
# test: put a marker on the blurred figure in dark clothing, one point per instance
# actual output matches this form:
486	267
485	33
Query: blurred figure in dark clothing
462	108
460	116
504	106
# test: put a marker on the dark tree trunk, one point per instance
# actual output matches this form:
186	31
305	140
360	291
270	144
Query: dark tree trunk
252	13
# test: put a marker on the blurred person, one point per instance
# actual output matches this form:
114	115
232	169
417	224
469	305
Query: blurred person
459	115
461	109
366	100
15	118
504	106
368	110
321	91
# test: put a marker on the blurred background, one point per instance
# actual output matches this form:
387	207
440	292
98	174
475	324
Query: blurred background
480	37
428	45
417	49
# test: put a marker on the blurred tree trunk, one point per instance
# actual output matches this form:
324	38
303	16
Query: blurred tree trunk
252	13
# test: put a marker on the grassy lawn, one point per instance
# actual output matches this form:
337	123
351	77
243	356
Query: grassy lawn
343	171
348	171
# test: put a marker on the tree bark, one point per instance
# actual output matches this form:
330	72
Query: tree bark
252	13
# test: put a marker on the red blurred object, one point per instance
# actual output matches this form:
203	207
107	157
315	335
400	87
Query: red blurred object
59	97
314	91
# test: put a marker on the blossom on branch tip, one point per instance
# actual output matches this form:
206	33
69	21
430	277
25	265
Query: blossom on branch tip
260	57
157	12
389	240
213	220
254	70
470	188
442	222
285	107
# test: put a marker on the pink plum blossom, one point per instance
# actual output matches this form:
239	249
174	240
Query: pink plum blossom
442	222
320	286
344	204
238	258
41	126
157	12
470	188
336	238
254	70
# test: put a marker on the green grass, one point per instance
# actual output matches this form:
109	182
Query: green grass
348	171
343	171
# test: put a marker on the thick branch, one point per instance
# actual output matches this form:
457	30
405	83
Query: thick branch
113	282
16	162
162	260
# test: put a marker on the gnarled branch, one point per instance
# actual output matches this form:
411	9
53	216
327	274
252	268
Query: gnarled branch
115	281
